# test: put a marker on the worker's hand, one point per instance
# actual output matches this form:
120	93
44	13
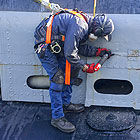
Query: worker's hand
102	51
89	68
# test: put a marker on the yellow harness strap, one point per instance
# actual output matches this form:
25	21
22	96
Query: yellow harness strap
77	14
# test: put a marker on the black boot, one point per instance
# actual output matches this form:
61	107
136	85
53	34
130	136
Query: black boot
74	108
63	124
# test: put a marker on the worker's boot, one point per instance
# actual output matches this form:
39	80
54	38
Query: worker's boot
74	108
63	125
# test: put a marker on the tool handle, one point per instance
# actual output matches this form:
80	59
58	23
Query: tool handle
103	59
101	62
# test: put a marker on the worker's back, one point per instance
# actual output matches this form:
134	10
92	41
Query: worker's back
63	24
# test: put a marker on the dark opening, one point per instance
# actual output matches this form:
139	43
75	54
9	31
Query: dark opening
38	82
113	86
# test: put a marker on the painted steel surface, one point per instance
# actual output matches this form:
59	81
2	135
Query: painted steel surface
124	65
18	61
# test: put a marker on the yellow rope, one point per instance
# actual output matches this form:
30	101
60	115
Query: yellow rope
47	6
94	10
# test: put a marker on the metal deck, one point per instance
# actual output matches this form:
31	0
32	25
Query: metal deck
31	121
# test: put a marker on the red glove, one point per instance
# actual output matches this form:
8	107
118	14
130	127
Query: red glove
102	51
90	68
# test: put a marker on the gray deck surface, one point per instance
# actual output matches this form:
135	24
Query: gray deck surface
31	121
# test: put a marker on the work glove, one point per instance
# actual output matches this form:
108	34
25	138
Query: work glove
44	2
55	7
102	51
51	6
89	68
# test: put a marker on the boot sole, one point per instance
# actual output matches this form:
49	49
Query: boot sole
67	131
65	111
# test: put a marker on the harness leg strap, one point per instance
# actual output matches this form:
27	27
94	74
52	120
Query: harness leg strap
67	73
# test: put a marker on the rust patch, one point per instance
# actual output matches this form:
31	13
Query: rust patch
133	53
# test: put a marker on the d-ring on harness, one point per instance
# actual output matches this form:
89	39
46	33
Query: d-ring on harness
55	47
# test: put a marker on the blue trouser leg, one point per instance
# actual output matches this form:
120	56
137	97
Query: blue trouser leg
67	89
51	65
59	93
66	94
56	104
56	100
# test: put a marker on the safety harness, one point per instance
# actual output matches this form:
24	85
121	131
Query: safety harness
48	38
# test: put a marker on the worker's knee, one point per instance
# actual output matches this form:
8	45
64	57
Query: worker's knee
56	87
58	78
57	81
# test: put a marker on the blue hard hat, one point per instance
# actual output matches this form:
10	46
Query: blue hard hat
102	26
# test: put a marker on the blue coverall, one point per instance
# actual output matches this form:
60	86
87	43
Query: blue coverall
76	32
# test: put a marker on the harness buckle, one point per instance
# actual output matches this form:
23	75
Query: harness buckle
55	47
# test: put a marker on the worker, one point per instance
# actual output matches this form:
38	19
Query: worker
68	32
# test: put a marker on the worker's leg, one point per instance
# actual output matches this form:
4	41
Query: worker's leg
67	89
56	88
50	64
66	99
56	75
66	94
